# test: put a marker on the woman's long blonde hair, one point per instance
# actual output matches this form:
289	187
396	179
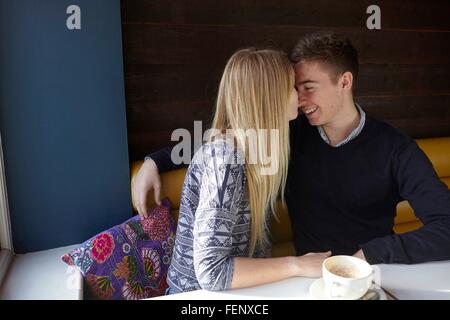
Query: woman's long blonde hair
254	93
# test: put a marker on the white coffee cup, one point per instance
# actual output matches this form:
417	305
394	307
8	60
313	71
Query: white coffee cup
346	277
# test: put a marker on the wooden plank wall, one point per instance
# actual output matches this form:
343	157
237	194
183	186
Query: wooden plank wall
175	51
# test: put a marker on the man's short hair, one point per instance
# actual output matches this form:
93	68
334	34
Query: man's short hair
333	50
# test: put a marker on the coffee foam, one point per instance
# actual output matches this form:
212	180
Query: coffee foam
345	271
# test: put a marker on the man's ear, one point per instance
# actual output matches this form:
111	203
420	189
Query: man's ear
347	80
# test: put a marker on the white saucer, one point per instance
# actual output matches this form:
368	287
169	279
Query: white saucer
316	292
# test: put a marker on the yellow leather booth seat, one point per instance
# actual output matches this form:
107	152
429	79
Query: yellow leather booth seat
437	149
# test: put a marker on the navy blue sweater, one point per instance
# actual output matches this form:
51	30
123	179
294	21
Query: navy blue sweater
343	199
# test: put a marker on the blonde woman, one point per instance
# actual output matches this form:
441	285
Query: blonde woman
229	194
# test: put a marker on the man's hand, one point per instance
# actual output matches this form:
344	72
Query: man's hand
360	254
310	264
145	180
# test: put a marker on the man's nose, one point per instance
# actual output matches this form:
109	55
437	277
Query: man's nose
301	101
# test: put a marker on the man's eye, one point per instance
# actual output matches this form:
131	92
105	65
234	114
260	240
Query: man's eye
309	88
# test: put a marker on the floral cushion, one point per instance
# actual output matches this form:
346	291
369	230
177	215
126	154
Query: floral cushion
128	261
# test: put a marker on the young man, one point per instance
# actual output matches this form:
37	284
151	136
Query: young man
348	171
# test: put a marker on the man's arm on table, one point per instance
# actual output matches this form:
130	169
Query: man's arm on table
430	198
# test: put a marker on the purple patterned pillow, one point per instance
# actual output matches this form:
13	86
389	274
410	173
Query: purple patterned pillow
128	261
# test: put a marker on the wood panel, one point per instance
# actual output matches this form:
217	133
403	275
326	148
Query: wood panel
174	54
396	14
395	79
178	83
420	116
170	116
171	83
209	45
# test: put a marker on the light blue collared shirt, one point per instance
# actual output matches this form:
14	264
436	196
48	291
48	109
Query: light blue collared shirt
352	134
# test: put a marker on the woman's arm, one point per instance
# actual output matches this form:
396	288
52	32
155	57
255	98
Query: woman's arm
250	272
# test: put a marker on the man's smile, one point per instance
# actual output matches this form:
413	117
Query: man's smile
309	110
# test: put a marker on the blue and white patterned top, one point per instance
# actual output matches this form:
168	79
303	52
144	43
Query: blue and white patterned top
214	221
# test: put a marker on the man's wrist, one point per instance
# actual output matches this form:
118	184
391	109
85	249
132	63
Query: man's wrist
148	158
150	161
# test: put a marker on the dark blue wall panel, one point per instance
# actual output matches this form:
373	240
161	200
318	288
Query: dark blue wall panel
63	121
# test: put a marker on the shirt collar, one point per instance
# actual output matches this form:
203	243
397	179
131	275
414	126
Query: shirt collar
352	134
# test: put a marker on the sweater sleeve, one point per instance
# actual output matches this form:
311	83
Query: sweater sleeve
163	160
430	198
215	217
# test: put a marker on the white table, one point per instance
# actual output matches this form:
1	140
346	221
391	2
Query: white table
420	281
43	276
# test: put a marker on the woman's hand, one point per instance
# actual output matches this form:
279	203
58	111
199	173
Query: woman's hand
360	254
310	264
145	180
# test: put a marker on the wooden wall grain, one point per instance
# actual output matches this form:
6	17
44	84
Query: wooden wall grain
175	51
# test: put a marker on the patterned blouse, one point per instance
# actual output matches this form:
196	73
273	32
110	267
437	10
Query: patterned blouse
214	221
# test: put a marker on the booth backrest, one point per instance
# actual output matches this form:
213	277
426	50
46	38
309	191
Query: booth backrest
437	149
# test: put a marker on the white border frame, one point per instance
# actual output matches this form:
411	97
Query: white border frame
5	223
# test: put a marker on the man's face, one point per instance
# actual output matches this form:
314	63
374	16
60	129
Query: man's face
319	98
